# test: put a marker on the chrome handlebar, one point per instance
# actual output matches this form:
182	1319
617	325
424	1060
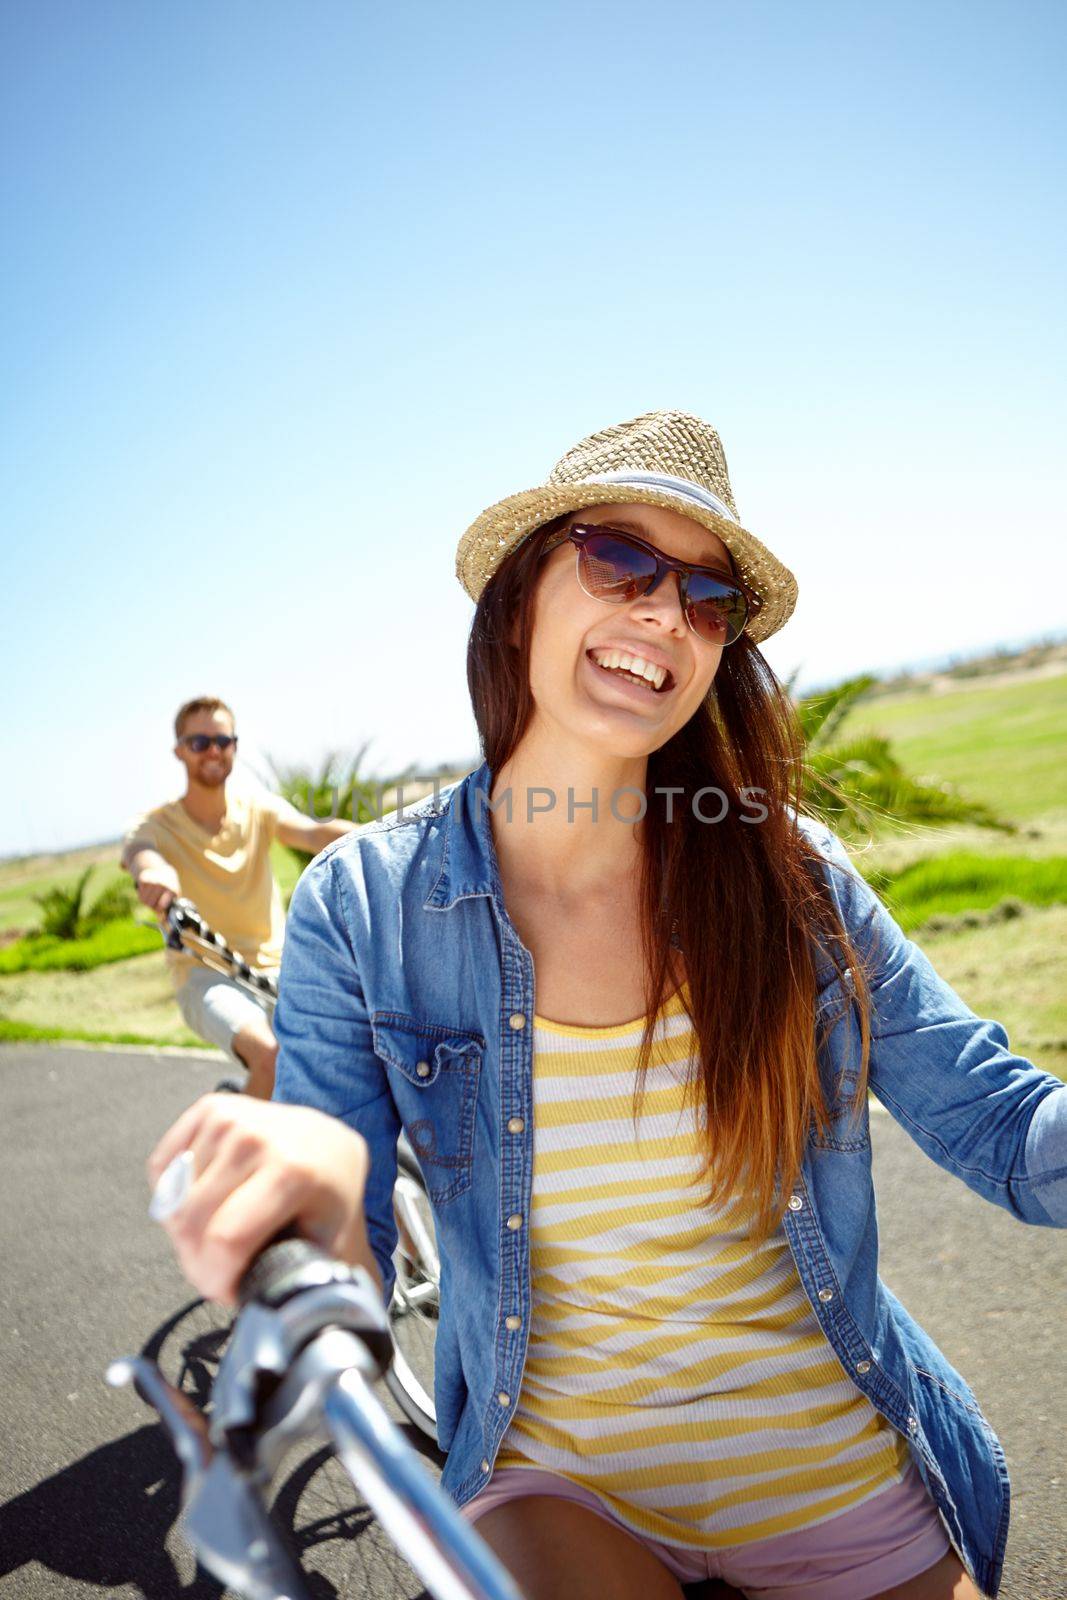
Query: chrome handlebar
311	1337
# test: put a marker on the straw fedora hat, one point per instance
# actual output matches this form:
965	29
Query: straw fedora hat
663	458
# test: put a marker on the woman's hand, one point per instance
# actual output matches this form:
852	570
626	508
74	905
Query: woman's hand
258	1167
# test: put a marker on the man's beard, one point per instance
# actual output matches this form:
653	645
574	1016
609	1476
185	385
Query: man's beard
211	780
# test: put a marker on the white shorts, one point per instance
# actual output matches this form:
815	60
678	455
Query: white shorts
216	1007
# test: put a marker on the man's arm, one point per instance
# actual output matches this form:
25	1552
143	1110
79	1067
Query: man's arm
154	878
307	833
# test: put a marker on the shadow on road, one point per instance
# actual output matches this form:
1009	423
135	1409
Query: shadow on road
105	1520
109	1518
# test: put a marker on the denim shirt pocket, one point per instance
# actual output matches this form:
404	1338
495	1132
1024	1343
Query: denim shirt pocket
838	1041
433	1073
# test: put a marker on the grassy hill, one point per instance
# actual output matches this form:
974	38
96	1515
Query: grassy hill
24	876
1002	742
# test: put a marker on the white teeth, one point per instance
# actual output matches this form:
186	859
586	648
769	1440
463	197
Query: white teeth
622	660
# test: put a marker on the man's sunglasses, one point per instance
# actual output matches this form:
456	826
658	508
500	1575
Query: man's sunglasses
617	566
199	742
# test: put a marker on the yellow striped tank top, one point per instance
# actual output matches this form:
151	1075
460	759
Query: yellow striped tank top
675	1368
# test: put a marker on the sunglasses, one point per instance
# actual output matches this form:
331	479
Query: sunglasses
199	742
617	566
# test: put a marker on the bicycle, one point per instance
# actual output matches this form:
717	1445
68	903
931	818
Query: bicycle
310	1337
415	1301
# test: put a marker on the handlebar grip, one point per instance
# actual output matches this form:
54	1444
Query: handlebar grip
289	1262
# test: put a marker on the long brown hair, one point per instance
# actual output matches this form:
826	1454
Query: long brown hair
747	900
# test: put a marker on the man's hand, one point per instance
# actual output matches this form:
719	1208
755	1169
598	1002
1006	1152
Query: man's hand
258	1166
157	885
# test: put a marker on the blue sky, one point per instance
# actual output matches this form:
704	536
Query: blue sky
291	292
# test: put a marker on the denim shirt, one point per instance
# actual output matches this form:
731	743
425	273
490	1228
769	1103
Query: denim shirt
407	998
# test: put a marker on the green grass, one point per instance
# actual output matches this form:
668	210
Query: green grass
128	998
115	941
897	844
965	881
286	869
12	1032
1003	743
1013	972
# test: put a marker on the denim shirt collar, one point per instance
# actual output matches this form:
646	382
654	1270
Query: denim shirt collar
466	863
466	857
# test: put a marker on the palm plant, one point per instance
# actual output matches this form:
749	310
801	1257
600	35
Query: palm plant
61	908
850	784
111	905
64	914
335	788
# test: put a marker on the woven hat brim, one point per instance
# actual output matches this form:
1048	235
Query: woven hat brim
496	533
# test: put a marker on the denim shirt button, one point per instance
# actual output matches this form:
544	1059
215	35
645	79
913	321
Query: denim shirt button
485	1466
512	1323
863	1366
515	1124
826	1295
514	1222
516	1020
795	1203
504	1399
423	1069
913	1422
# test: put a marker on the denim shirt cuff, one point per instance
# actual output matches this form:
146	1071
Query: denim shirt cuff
1046	1156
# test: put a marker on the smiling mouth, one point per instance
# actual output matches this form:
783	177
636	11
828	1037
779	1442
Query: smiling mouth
631	677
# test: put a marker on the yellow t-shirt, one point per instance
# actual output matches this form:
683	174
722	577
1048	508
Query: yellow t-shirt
227	875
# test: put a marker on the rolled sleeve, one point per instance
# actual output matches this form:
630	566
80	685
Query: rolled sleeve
325	1055
949	1076
142	834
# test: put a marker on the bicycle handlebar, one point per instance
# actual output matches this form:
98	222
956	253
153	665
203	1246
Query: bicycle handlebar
310	1336
186	929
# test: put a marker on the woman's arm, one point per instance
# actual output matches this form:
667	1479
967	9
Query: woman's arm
948	1076
326	1058
257	1169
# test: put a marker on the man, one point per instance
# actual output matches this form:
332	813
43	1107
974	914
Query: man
213	847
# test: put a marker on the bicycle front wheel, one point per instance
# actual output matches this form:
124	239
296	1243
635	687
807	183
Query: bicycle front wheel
415	1306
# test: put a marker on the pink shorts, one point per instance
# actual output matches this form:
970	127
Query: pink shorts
891	1537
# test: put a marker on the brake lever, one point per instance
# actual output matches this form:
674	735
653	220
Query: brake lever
185	1425
223	1517
228	1527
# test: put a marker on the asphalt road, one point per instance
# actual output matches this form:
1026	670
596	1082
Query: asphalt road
89	1488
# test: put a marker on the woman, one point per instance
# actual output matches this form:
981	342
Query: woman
664	1353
